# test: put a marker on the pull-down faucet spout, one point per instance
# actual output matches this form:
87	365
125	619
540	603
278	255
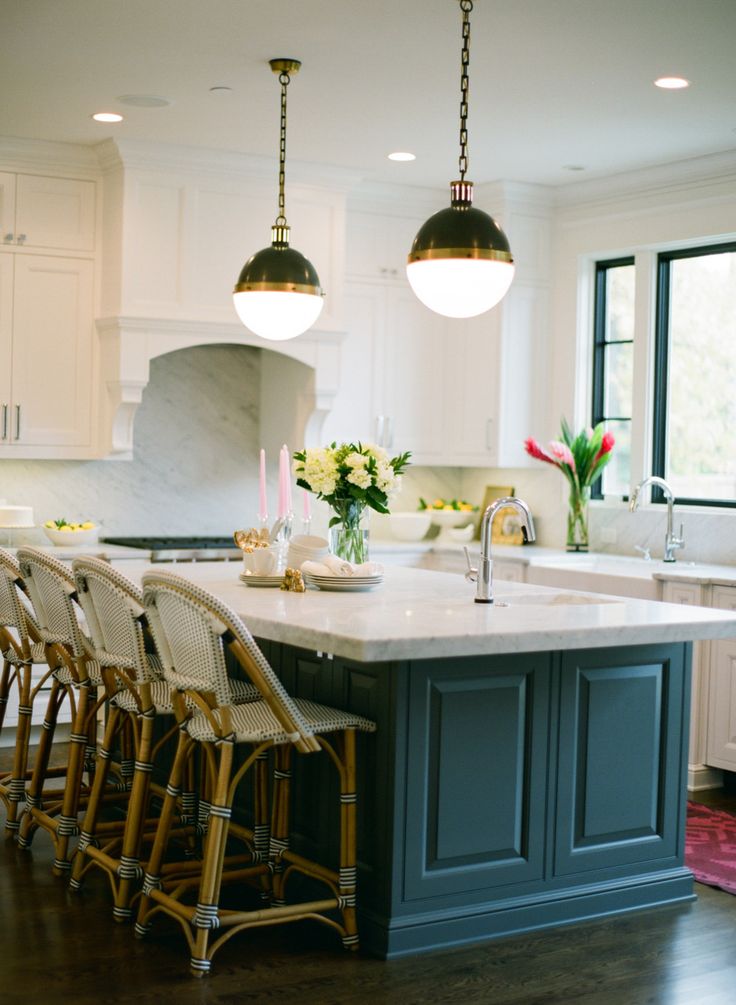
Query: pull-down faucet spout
671	543
483	575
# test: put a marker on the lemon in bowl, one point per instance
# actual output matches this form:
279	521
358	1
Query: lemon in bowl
62	533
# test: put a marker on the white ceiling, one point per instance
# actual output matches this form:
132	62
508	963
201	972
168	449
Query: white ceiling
552	82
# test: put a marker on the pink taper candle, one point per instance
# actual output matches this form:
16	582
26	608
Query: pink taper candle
307	513
262	503
283	461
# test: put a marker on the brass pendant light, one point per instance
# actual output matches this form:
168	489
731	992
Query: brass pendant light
460	263
278	295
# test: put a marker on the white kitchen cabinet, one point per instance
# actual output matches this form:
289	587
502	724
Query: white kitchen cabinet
459	392
701	773
46	311
393	382
721	746
45	213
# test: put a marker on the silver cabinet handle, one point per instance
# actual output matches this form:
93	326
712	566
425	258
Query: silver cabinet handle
5	421
17	422
21	238
8	238
380	426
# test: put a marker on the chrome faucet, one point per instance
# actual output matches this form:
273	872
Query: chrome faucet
671	543
483	575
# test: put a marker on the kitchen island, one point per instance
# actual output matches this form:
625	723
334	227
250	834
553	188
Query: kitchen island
529	764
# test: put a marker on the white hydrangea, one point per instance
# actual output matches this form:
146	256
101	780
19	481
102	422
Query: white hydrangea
319	470
358	476
386	480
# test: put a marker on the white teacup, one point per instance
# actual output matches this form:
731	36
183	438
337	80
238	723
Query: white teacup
261	561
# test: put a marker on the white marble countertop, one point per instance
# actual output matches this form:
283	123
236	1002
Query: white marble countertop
100	549
605	562
418	614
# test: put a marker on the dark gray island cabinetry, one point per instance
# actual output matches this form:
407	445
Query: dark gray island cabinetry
508	792
529	763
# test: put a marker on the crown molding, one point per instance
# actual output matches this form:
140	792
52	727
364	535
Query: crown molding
173	158
32	156
676	178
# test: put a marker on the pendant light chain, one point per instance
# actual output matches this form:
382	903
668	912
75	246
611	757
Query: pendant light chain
465	6
284	80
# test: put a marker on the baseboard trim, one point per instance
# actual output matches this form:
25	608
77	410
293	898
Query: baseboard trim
702	776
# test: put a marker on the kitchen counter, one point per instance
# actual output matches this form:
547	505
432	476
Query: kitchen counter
419	614
529	763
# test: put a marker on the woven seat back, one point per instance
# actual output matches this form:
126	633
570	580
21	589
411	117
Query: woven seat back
52	592
113	607
191	626
13	613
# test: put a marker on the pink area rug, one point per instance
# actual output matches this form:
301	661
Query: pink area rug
710	846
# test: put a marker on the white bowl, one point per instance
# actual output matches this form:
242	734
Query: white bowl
71	538
409	526
451	517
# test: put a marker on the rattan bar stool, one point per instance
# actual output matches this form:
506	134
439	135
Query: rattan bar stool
53	593
22	650
192	629
113	607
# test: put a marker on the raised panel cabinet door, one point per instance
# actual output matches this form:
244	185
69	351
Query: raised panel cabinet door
476	775
355	409
674	592
721	747
52	350
414	376
55	212
473	405
7	208
621	765
6	342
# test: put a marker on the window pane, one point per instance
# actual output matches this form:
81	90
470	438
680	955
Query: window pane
616	472
701	460
619	371
613	367
620	303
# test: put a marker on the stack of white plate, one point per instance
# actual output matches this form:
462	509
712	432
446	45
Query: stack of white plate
306	548
344	584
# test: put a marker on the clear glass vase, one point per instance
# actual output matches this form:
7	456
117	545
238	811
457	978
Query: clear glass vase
349	533
577	519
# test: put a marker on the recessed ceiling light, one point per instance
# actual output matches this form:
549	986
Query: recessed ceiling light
144	100
221	90
671	83
107	117
402	155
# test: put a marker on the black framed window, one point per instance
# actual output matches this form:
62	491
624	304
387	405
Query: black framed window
695	374
613	367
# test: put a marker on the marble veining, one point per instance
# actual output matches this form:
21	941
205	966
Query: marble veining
418	614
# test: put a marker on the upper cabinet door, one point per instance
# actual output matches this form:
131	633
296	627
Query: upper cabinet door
52	351
6	341
54	213
7	208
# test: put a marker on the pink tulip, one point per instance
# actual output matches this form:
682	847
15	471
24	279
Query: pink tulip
606	447
562	453
535	450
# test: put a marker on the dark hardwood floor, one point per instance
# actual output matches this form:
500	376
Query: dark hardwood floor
58	947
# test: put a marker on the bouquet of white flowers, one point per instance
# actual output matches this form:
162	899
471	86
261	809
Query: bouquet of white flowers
350	477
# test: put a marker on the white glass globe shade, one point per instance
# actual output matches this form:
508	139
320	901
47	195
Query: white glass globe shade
277	314
460	287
